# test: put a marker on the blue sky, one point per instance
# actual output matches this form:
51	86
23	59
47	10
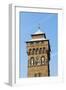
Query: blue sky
28	24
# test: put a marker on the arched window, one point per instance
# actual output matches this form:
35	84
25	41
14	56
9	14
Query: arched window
32	61
29	52
37	75
43	49
42	60
37	51
40	50
33	51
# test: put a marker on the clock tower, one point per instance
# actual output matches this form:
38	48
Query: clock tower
38	51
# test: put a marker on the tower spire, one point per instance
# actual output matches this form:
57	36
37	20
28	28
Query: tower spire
39	30
39	26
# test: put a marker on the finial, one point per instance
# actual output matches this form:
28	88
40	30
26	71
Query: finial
39	26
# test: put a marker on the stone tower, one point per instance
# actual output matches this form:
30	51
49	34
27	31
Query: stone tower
38	50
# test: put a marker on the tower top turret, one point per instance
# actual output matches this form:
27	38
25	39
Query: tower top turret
38	36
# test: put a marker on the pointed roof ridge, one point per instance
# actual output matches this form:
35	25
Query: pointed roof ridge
38	31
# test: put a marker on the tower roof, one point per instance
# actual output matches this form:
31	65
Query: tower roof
38	36
38	32
39	39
